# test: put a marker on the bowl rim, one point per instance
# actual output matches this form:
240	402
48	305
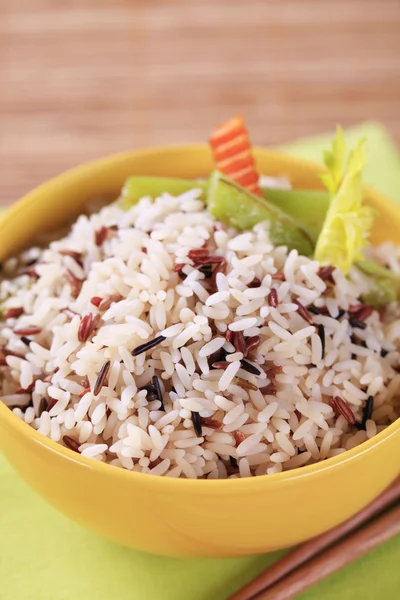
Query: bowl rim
197	485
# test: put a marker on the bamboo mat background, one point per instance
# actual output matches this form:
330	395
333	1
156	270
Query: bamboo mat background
84	78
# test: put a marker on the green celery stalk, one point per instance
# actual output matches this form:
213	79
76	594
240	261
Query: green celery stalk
230	203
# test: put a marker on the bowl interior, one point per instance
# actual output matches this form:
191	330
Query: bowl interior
61	199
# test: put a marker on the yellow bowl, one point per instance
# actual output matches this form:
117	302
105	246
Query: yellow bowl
186	517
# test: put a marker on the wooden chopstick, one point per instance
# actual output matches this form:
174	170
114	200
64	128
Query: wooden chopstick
362	541
300	555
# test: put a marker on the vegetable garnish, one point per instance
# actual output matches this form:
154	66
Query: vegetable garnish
348	223
385	284
138	187
233	154
232	204
307	207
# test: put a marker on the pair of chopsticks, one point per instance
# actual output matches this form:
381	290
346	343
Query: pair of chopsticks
314	560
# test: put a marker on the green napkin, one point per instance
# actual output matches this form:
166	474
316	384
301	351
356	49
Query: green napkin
44	556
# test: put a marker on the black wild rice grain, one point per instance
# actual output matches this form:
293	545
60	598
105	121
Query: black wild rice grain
233	462
71	443
246	366
197	424
366	414
357	323
25	340
206	270
148	388
100	379
314	310
157	389
368	408
148	345
384	352
218	356
321	334
340	313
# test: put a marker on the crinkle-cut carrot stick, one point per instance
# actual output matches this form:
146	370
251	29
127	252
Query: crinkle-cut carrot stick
233	155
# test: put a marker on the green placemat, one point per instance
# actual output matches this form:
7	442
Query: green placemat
44	556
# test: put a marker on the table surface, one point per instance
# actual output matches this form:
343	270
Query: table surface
82	79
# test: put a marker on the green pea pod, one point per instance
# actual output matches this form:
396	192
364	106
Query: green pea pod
137	187
230	203
306	207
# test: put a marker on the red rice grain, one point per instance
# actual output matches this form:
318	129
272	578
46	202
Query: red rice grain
303	312
339	405
100	235
273	298
239	437
71	443
28	330
96	301
12	313
211	423
85	327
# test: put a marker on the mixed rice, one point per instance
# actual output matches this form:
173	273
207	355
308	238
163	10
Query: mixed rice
160	341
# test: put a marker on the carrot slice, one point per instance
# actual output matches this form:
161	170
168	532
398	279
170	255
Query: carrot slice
227	130
233	155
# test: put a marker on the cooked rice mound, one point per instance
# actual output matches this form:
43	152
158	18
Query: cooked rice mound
160	341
